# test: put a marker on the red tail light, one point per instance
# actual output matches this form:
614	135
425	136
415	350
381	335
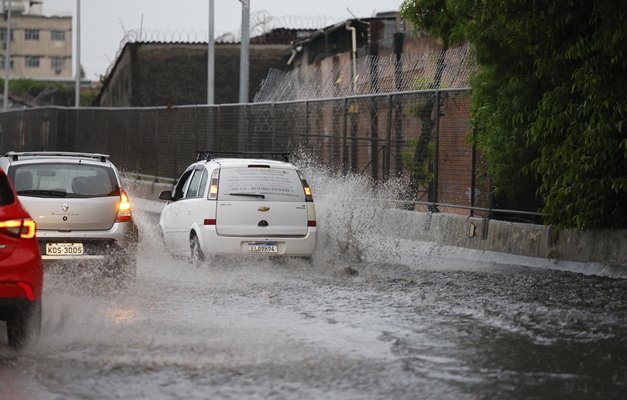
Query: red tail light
22	228
209	222
124	208
311	223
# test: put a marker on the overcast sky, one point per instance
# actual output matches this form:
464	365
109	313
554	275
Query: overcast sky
104	22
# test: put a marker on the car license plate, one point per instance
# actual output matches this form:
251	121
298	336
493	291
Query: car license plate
262	247
64	249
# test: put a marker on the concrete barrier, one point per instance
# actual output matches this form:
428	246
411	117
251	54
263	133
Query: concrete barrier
455	237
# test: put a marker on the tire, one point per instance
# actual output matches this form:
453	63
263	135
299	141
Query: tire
25	327
198	258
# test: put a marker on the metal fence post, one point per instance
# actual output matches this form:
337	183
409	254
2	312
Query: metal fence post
436	156
273	117
374	130
388	141
247	111
219	130
344	133
354	112
156	154
398	135
472	179
306	121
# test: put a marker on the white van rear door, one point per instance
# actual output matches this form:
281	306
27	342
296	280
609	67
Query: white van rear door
261	202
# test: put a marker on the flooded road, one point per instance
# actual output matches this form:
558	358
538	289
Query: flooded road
263	330
336	328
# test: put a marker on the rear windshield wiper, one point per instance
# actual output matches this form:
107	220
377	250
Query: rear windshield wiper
54	193
248	195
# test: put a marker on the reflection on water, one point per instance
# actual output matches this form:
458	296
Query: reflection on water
119	315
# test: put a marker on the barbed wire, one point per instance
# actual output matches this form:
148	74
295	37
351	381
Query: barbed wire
374	75
261	22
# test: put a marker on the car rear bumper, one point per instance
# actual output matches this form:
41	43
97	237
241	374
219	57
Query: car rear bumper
212	243
22	267
97	245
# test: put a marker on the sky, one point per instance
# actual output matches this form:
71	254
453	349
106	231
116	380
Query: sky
105	23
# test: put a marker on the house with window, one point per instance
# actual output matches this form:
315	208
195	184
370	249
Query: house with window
40	46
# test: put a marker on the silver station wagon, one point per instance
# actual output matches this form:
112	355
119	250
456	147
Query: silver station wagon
83	216
224	205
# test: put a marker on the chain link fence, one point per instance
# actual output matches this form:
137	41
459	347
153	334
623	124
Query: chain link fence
417	138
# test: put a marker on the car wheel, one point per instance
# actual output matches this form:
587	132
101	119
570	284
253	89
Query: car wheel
26	326
197	256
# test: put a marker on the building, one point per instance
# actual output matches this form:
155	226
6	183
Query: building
40	45
148	74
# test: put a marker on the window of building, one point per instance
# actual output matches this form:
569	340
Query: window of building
3	35
11	63
31	34
58	63
57	36
32	62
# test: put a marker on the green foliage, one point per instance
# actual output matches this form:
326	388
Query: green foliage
549	100
419	169
89	98
446	20
579	123
28	86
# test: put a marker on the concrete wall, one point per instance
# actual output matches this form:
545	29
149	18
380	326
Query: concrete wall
161	74
602	252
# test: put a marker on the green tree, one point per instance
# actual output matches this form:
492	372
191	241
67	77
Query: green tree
549	99
580	121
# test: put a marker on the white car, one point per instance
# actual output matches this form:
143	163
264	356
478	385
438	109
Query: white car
239	206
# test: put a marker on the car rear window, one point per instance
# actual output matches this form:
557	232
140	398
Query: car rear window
268	184
64	179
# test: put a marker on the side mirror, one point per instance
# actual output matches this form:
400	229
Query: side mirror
166	195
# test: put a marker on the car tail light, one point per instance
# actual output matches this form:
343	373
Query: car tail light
311	223
209	222
22	228
306	188
124	208
213	189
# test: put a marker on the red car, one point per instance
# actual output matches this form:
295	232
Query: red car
21	268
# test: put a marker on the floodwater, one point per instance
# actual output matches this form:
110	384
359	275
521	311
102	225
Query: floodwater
337	328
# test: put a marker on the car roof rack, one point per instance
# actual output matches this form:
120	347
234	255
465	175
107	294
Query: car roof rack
15	155
275	155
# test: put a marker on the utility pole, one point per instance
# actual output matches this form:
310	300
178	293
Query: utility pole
77	99
244	54
7	58
243	76
211	56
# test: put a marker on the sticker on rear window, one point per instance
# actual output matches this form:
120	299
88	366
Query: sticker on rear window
271	183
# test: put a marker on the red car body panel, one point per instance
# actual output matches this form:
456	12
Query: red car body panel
21	268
